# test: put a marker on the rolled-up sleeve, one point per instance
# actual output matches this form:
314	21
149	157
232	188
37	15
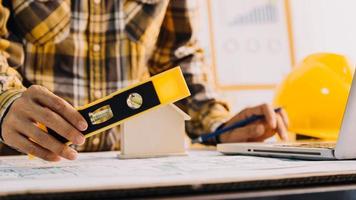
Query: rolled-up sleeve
11	56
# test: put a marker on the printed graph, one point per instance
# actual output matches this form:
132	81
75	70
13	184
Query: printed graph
263	14
250	43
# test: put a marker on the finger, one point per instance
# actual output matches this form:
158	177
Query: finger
58	105
23	144
270	115
267	134
281	129
257	131
58	124
266	110
284	116
48	142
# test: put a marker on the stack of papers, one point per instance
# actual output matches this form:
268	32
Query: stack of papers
103	171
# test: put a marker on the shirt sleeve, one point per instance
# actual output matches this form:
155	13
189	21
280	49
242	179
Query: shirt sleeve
40	22
11	56
177	45
36	22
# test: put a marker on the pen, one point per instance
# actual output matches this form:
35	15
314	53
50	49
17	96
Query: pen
239	124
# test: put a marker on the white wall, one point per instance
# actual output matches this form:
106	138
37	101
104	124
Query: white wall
324	25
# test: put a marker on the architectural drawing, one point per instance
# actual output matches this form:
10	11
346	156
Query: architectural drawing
105	170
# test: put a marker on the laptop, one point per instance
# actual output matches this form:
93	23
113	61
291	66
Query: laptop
344	148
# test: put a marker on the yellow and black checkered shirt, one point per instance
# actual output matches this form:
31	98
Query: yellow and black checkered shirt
85	50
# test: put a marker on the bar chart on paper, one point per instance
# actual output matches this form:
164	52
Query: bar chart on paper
266	13
250	41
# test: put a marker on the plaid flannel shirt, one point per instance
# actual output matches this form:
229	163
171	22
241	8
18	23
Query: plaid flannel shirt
84	50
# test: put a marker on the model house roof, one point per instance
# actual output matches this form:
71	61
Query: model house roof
181	112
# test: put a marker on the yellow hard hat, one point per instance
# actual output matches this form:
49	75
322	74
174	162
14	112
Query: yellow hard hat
315	93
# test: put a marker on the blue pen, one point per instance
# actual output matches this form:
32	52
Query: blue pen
238	124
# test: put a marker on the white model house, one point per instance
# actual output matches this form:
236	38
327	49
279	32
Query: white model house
158	132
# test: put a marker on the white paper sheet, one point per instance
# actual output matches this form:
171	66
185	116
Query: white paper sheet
105	171
251	41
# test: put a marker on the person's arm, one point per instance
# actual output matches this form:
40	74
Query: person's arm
25	107
11	53
177	45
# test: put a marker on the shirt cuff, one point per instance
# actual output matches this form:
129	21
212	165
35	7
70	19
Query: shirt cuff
216	117
6	100
217	126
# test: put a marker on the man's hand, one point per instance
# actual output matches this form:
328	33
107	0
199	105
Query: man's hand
260	130
38	104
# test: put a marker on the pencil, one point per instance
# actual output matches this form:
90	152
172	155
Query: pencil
204	138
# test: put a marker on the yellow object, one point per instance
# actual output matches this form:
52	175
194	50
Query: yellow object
170	86
315	93
161	89
112	110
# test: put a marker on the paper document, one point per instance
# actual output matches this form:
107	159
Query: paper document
96	171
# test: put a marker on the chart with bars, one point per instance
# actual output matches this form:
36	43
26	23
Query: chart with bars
267	13
247	45
250	40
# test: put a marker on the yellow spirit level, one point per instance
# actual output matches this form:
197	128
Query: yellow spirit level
103	114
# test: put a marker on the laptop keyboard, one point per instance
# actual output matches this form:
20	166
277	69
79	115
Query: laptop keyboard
324	145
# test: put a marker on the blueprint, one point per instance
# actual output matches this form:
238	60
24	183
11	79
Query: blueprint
105	170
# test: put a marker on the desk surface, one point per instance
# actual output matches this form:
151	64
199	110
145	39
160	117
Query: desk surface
103	175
